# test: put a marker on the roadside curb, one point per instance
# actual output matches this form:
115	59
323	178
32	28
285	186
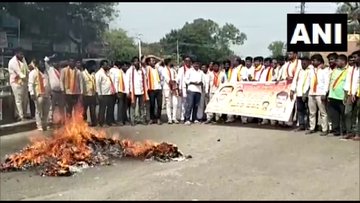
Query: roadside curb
17	127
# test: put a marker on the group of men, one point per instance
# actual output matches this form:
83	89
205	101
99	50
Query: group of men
138	90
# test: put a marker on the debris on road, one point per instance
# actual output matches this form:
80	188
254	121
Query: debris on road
76	146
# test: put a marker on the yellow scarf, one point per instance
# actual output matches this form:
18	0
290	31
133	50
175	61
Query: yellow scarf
152	78
121	81
40	88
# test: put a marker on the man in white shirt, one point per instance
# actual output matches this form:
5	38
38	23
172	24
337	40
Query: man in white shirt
18	72
171	91
247	72
194	79
351	100
287	72
57	96
298	88
204	94
105	89
119	77
40	91
72	86
153	76
266	75
215	78
89	96
182	86
231	73
258	67
136	89
318	85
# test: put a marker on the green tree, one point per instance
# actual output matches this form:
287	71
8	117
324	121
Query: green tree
352	9
204	39
276	48
119	45
81	22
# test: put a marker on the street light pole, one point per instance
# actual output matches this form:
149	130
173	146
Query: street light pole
177	52
139	44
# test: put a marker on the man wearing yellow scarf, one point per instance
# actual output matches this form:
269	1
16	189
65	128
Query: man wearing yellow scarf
71	84
40	91
352	101
89	96
154	90
337	95
18	72
318	86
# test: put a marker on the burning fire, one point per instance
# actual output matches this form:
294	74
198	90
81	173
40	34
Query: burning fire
75	145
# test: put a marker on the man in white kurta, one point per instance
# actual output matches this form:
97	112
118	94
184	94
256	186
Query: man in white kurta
182	87
18	72
169	92
40	91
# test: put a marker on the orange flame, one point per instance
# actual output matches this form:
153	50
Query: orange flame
69	145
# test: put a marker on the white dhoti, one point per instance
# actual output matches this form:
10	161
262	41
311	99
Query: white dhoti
210	116
21	99
42	105
171	103
181	107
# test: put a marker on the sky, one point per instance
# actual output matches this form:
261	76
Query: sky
262	22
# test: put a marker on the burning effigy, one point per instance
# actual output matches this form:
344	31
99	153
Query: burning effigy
75	145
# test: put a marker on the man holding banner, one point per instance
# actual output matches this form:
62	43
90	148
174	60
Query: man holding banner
231	74
299	88
216	78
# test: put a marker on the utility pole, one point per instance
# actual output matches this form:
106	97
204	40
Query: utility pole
139	44
302	8
177	52
302	11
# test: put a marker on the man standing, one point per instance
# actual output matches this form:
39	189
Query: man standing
337	95
216	76
288	70
89	97
267	72
195	81
18	72
247	73
258	67
39	88
204	94
119	79
298	88
266	75
332	57
57	96
105	89
319	87
136	89
72	85
232	77
154	90
182	86
352	102
171	91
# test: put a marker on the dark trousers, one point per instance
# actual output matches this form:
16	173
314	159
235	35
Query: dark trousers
32	107
106	104
192	104
336	114
89	102
70	101
122	102
351	115
302	109
155	97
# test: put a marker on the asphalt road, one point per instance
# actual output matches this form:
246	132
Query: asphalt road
229	163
